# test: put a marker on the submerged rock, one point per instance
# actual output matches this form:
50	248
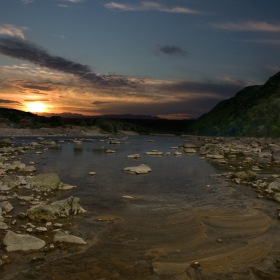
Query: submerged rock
140	169
67	238
20	242
61	208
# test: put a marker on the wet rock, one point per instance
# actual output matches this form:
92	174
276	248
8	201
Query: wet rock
65	187
140	169
20	242
92	173
67	238
177	153
46	181
62	208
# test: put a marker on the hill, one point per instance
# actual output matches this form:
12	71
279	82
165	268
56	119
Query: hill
253	111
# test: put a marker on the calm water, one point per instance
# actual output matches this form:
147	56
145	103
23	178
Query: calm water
173	220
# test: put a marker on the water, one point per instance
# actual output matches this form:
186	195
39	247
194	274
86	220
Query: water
172	220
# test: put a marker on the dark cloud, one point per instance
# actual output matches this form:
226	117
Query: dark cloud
97	103
222	89
172	50
25	50
33	86
5	101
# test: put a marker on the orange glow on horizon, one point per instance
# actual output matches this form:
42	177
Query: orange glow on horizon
36	107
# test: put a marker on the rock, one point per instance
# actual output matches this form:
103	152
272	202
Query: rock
6	206
154	153
274	186
189	150
62	208
276	197
136	156
140	169
114	142
28	169
20	242
66	187
193	143
46	181
21	215
5	142
41	229
177	153
245	175
92	173
110	151
3	225
67	238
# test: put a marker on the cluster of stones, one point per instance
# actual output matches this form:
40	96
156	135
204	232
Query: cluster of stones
19	186
247	158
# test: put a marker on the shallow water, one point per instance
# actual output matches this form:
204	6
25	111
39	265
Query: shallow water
173	220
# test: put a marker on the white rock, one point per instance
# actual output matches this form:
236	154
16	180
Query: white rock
140	169
20	242
67	238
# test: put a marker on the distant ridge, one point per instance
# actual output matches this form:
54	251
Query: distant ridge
109	116
253	111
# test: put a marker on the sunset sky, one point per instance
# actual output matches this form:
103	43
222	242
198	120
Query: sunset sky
170	58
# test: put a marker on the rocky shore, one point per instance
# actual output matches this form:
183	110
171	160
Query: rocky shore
33	220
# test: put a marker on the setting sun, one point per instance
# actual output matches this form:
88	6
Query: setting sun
36	107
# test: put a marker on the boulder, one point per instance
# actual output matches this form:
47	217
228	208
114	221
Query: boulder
61	208
3	225
46	181
274	186
67	238
20	242
140	169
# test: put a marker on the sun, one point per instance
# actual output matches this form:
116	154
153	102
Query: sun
36	107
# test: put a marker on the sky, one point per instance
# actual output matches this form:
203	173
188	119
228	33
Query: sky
173	59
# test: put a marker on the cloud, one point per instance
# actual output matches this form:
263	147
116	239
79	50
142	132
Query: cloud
25	50
98	103
36	100
62	6
263	41
5	101
27	1
149	6
74	1
172	50
249	26
8	29
34	86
